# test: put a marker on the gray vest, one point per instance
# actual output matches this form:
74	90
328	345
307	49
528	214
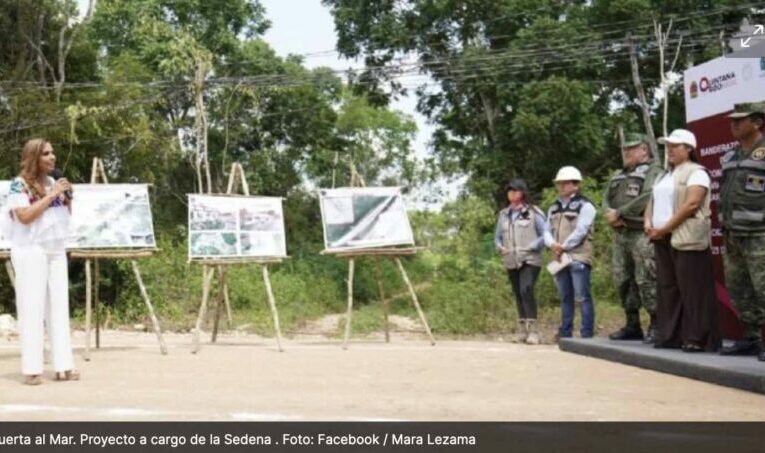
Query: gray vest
563	221
742	195
518	236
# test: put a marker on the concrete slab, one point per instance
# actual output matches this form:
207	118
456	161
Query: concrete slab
745	373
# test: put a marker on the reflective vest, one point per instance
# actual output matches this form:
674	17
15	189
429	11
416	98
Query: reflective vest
563	221
742	194
517	237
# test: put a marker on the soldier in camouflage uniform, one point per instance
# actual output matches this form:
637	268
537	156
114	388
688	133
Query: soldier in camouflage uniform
634	268
742	215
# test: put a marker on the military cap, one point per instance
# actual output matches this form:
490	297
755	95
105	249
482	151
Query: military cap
747	109
634	139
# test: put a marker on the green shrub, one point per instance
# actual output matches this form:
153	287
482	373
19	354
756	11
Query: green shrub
460	280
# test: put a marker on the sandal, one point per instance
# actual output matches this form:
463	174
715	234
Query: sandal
690	347
33	379
68	375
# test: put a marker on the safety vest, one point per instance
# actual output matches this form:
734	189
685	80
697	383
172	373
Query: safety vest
518	235
694	232
563	220
742	194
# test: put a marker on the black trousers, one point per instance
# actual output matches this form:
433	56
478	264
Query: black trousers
523	281
687	308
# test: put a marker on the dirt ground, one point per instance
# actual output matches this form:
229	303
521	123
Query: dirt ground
245	377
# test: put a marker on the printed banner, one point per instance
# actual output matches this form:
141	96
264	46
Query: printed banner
711	90
715	86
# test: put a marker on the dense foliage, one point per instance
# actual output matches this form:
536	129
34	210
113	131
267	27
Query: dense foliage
513	87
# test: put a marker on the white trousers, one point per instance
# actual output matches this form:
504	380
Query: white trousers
42	297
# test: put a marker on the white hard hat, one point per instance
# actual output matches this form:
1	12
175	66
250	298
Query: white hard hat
679	136
568	174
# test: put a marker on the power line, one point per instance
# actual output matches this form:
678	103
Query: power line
636	23
531	51
468	68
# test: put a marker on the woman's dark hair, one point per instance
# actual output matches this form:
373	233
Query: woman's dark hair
692	154
521	186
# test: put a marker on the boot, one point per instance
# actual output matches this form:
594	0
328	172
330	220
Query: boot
631	331
741	347
627	333
650	336
522	333
531	327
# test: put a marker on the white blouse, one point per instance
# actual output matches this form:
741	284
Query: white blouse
50	230
664	195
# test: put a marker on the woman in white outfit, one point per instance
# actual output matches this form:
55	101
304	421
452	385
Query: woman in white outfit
36	220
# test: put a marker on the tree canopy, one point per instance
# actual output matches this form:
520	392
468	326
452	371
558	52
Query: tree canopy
521	87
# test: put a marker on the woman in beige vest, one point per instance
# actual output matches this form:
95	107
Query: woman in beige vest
677	220
519	238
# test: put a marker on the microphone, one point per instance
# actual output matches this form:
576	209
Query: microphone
58	174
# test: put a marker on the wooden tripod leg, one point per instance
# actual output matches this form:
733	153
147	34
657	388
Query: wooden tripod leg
350	304
415	301
207	275
97	300
384	301
272	304
149	307
88	308
11	274
229	318
219	301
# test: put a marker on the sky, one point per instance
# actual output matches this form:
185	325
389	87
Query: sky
307	27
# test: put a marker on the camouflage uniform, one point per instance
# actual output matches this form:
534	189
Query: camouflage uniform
634	267
634	271
742	215
745	279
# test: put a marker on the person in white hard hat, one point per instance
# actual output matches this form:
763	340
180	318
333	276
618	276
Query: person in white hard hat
571	218
677	220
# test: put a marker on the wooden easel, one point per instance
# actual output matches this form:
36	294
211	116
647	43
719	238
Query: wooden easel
6	257
92	285
209	265
394	253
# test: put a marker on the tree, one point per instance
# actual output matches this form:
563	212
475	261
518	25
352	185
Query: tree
377	141
483	54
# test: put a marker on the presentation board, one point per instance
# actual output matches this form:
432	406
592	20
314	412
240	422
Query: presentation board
364	217
105	216
111	216
4	188
236	227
